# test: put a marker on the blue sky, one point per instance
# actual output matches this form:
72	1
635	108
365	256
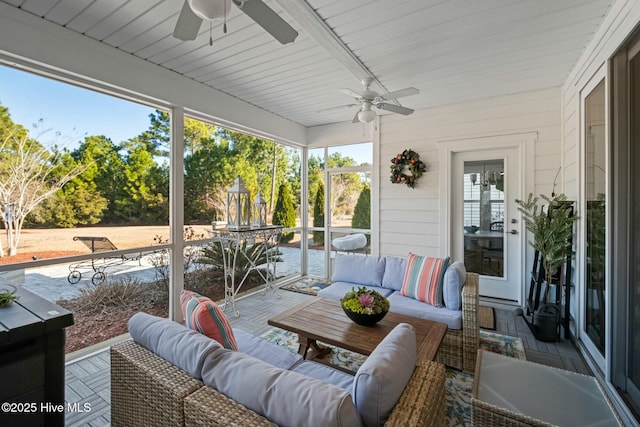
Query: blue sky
70	112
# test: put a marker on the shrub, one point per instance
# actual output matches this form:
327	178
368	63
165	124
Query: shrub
284	214
318	214
362	212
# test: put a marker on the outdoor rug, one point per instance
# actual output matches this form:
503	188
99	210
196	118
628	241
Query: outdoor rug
458	384
309	286
487	318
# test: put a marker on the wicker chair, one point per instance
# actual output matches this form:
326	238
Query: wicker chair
147	390
459	348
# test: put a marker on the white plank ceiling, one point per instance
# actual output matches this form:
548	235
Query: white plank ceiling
451	50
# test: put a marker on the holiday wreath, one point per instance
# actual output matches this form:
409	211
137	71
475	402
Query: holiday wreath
407	160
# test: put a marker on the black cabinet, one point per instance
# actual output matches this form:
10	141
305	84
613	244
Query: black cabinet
32	357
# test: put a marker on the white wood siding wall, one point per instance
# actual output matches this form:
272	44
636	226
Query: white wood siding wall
409	218
620	21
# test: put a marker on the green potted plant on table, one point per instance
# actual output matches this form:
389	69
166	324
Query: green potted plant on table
7	295
365	307
552	230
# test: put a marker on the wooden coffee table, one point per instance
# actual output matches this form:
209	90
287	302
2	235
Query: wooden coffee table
321	319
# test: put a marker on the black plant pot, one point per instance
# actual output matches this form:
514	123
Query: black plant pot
364	319
545	323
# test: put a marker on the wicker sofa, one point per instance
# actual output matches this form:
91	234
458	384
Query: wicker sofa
147	389
385	274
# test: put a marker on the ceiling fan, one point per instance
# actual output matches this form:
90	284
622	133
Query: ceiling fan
369	99
195	11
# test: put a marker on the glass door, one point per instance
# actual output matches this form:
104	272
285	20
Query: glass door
486	234
625	240
594	265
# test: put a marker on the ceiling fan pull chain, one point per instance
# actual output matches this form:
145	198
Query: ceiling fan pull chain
210	34
224	26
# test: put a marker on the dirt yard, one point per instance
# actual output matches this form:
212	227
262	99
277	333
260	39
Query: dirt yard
48	243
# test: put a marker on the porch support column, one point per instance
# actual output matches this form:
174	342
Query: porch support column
176	213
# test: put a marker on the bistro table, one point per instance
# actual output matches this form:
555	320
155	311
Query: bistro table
235	243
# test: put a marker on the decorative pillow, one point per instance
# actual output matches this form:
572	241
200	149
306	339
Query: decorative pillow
454	279
203	315
423	279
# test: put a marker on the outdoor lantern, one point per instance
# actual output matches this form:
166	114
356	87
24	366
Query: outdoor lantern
259	215
238	206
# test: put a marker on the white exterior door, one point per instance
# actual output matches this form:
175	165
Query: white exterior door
485	222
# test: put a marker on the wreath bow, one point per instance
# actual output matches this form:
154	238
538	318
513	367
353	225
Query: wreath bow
407	160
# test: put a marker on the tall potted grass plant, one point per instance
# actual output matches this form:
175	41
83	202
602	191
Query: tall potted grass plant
552	229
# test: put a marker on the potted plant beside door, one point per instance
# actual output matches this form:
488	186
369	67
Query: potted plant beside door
552	230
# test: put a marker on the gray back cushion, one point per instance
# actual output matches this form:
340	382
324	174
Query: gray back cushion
452	284
175	343
284	397
362	270
394	271
381	379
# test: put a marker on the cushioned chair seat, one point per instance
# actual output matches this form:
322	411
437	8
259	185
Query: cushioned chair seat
411	307
325	373
338	289
260	349
351	242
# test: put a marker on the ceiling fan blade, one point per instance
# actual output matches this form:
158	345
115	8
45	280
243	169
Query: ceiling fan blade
188	24
394	108
341	107
270	21
408	91
351	93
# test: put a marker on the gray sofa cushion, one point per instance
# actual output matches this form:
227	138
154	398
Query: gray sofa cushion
411	307
453	282
363	270
383	377
287	398
394	270
325	373
183	347
337	290
269	352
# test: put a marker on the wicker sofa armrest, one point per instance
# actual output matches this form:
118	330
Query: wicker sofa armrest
470	328
146	389
208	407
423	401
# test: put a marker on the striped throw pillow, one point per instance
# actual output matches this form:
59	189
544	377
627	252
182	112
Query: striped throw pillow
423	279
203	315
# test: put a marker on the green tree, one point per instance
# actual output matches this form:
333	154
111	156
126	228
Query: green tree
362	212
284	213
318	214
146	189
104	173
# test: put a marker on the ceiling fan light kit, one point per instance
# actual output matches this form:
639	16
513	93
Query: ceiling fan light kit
366	115
210	10
370	99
